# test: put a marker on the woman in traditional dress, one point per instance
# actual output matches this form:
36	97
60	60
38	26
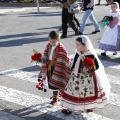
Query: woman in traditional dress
55	66
88	86
110	40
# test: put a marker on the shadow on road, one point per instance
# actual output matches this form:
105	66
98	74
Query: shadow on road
32	68
30	114
23	41
19	35
34	114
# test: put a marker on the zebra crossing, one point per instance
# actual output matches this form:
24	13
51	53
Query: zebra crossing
39	103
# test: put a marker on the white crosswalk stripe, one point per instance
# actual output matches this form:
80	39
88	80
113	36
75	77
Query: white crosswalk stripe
41	103
113	79
28	76
32	77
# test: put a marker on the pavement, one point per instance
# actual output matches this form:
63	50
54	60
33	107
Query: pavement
5	4
3	10
7	10
21	31
19	9
8	116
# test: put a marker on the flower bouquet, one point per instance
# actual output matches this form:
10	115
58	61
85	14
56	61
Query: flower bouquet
36	57
106	21
89	64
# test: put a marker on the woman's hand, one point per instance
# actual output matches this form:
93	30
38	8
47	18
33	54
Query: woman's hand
81	9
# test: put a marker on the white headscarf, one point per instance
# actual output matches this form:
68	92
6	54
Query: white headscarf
117	4
100	72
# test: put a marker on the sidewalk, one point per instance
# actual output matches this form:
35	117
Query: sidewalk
18	9
2	4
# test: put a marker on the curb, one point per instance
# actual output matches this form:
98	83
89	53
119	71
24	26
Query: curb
27	4
19	9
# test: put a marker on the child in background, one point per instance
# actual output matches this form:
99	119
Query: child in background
110	40
88	86
56	65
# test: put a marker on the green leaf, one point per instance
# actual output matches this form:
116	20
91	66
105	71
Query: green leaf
34	51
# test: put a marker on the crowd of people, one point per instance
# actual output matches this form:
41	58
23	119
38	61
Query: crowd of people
81	83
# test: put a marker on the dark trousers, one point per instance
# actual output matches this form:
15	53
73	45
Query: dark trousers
77	22
68	18
49	74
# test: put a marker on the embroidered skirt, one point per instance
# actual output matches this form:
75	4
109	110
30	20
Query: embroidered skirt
83	93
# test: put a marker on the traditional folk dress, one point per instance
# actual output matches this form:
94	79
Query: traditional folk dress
84	89
110	40
56	66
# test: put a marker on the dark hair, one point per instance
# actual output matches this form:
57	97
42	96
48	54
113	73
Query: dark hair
54	35
79	39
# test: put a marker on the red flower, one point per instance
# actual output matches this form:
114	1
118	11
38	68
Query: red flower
33	58
40	85
107	16
37	56
37	86
110	18
89	62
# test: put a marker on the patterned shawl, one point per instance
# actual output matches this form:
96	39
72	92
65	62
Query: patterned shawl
62	67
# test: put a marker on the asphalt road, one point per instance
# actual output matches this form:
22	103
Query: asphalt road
20	32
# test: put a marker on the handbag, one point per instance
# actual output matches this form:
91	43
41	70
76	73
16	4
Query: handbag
73	7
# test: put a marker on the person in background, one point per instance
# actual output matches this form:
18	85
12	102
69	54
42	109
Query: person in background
88	7
106	2
68	18
77	23
110	40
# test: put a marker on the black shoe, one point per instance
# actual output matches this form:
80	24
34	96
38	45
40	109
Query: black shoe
115	53
66	111
94	32
76	33
106	4
98	4
80	33
103	54
89	110
63	36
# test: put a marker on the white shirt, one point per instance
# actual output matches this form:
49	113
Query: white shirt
51	53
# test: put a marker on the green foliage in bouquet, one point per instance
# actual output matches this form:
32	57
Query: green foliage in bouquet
106	21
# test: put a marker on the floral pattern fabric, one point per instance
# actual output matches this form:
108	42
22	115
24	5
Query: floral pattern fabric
83	91
82	86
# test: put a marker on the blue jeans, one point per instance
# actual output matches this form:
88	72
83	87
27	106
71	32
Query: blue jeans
89	14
